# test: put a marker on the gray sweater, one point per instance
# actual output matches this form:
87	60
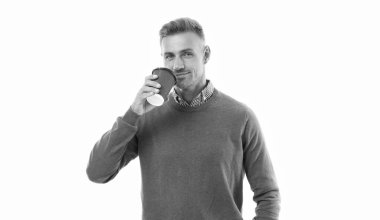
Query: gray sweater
193	160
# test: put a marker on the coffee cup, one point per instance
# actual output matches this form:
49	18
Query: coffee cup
167	80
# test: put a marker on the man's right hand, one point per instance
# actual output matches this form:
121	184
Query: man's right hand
140	106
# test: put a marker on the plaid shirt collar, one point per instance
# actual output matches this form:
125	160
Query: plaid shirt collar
201	98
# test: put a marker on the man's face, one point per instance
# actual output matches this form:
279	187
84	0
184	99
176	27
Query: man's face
184	54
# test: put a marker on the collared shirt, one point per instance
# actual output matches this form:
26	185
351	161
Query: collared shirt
201	98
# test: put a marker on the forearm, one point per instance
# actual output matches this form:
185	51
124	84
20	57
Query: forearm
264	185
114	149
268	205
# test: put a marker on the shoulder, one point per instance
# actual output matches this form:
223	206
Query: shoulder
238	111
234	106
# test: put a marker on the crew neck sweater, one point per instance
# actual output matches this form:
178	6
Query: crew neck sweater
193	160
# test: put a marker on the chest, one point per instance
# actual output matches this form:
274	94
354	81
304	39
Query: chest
191	141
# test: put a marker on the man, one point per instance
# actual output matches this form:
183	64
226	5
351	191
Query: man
195	149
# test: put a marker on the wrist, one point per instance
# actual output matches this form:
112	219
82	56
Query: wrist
137	110
130	116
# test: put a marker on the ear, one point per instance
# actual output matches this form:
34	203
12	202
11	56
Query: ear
206	54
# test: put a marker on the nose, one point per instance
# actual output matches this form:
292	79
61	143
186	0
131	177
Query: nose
178	64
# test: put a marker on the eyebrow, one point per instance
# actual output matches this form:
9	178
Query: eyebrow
184	50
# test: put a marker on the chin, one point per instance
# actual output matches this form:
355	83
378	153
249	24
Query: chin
182	86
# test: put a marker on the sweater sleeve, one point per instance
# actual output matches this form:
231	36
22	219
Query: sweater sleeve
259	171
115	149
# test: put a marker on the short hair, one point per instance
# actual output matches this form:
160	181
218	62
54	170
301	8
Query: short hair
181	25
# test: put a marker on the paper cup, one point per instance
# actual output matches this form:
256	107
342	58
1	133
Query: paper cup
167	80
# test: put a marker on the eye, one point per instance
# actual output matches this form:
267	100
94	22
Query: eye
168	57
188	54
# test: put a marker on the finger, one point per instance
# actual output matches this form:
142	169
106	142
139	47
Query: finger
147	94
152	84
145	89
151	77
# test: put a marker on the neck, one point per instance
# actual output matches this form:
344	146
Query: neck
189	94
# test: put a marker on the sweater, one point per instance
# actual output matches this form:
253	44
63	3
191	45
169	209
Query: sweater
193	160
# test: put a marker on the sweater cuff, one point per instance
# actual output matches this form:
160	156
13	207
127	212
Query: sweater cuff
130	117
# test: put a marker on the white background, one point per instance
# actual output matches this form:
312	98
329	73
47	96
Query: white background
308	69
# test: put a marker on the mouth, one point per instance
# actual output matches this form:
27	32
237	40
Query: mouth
181	74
